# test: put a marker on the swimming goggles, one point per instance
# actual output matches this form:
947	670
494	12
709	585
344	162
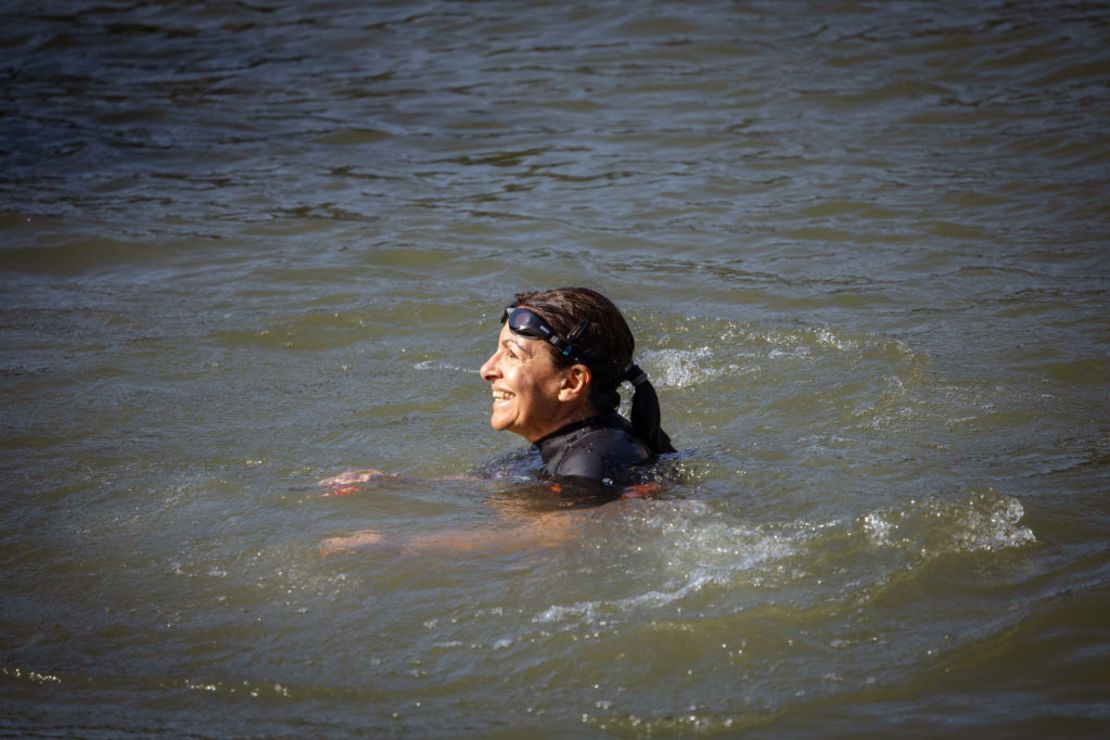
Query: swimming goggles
527	323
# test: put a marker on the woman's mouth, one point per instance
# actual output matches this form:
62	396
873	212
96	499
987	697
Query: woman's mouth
502	395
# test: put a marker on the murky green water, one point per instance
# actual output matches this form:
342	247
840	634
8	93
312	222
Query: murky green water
864	250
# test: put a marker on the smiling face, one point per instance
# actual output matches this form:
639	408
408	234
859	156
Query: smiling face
531	396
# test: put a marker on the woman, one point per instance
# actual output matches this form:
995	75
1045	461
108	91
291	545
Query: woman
561	356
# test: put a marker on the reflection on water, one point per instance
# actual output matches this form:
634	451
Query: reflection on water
246	247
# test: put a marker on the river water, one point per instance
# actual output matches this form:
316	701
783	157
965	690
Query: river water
863	247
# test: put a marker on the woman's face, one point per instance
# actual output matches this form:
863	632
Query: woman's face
526	385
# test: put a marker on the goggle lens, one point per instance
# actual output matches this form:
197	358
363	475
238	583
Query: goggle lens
528	323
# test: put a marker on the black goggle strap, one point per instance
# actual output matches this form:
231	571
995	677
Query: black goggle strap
573	337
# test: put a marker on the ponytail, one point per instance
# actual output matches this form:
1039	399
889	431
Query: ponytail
645	416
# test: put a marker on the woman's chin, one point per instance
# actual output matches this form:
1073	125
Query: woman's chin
507	424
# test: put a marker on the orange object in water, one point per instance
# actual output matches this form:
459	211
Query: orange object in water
556	488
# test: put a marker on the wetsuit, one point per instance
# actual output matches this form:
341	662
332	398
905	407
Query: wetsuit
601	449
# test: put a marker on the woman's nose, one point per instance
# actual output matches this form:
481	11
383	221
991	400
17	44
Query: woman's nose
488	371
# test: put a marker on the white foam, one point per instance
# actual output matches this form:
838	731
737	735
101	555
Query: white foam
651	599
877	528
828	338
994	527
984	521
701	548
432	365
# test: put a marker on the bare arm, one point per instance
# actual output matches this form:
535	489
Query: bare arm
354	481
547	530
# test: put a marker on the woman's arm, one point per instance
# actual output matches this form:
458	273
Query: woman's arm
547	530
354	481
347	483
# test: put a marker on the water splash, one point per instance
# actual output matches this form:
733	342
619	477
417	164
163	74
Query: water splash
681	368
742	349
698	549
433	365
983	521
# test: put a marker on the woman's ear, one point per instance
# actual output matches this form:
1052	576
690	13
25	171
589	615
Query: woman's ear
576	383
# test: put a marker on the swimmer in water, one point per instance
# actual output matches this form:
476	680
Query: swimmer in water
561	357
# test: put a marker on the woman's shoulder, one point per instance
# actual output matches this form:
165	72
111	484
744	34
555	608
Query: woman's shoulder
600	448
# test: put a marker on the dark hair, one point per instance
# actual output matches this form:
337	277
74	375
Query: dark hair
606	345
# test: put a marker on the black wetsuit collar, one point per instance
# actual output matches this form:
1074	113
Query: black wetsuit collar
601	420
549	444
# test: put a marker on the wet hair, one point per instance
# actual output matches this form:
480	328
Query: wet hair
606	347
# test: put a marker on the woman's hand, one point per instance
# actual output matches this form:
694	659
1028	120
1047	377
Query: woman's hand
347	483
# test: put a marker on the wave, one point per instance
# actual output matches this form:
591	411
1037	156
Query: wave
743	350
748	565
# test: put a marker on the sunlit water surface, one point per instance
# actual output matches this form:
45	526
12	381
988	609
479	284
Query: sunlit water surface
863	246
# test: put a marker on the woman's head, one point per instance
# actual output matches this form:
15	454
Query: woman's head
573	349
604	344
